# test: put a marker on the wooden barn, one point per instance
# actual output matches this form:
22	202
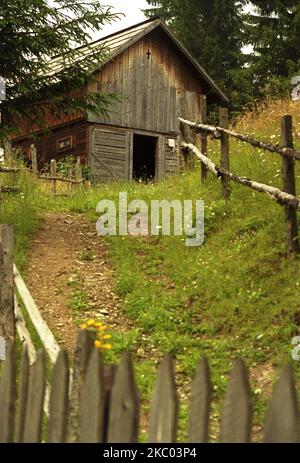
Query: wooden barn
158	81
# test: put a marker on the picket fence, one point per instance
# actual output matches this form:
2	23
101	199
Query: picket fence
101	404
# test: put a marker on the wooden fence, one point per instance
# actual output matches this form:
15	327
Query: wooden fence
74	175
103	404
286	197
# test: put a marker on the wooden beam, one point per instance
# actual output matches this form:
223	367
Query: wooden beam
51	346
289	186
7	316
216	132
272	192
203	136
34	164
225	151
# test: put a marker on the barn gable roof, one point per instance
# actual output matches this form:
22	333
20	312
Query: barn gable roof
118	42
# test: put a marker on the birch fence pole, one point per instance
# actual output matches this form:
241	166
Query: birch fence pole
289	186
7	315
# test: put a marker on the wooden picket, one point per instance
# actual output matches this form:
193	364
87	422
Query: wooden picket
164	410
200	404
92	402
124	405
23	395
282	422
8	396
236	413
35	400
59	400
117	420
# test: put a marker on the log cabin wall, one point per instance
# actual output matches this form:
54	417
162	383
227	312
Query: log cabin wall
156	86
55	145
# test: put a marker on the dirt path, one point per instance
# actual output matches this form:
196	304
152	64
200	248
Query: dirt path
70	277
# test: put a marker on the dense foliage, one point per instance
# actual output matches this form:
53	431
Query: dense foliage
218	31
31	32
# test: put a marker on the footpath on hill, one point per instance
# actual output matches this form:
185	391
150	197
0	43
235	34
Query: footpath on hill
70	277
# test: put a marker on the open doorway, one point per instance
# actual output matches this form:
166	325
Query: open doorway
144	157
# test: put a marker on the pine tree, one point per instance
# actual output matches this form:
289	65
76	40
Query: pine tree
274	32
213	32
33	31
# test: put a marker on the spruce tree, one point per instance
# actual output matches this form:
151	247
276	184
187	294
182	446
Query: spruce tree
32	32
274	33
213	32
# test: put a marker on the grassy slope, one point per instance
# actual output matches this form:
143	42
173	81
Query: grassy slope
236	295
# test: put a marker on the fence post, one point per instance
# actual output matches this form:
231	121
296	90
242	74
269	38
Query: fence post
78	171
34	165
289	186
7	315
70	178
225	151
203	136
7	150
53	174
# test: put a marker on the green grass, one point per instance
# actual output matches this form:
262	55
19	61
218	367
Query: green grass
235	296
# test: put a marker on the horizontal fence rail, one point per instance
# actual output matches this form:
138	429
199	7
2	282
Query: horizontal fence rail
274	193
217	131
103	404
74	175
286	196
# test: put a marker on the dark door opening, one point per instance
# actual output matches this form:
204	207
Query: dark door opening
144	157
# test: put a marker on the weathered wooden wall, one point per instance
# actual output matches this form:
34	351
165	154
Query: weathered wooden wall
111	153
155	90
47	144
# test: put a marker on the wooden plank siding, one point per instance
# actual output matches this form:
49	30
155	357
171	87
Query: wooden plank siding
154	90
47	144
109	153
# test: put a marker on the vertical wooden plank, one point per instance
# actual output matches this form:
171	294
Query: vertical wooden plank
91	151
34	164
124	405
53	174
203	137
84	348
92	402
164	406
8	396
225	151
200	404
109	373
78	171
7	316
23	396
35	401
7	150
283	420
289	186
236	415
160	158
59	400
70	178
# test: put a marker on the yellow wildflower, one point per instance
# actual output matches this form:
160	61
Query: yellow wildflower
91	323
98	344
106	346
